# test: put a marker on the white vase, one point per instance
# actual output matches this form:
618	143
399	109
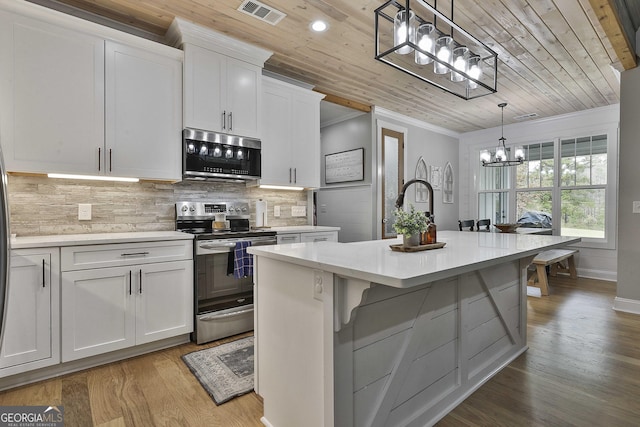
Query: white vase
409	240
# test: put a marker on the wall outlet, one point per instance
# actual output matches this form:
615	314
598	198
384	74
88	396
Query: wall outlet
276	211
636	207
318	287
84	211
298	211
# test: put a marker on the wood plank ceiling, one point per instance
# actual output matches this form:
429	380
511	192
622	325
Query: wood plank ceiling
554	57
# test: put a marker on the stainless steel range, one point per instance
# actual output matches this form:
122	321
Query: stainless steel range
223	299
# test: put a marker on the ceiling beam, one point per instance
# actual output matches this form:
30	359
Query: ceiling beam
605	10
335	99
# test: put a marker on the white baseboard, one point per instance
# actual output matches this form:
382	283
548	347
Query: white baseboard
266	422
606	275
626	305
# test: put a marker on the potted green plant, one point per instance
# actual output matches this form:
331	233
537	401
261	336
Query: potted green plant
410	224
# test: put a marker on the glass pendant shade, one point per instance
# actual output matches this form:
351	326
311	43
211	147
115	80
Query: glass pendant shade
443	53
460	61
485	156
426	41
518	153
501	154
474	70
402	32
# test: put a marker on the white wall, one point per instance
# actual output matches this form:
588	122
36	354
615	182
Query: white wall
628	298
438	146
596	263
348	205
354	206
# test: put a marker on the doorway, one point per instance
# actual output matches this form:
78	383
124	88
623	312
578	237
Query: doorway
392	179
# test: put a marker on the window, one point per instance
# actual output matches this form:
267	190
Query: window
571	181
494	196
535	180
583	186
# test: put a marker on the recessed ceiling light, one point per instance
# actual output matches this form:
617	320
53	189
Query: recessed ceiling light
319	26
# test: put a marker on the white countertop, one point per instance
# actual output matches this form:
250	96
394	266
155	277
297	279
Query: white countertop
374	261
303	229
96	239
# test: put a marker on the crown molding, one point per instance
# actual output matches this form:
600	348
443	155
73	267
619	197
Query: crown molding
182	32
383	112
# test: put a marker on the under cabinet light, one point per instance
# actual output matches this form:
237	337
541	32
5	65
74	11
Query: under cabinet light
280	187
92	177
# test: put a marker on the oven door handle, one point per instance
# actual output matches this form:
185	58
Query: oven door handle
225	315
218	246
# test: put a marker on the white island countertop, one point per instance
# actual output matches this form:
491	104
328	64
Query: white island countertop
374	261
27	242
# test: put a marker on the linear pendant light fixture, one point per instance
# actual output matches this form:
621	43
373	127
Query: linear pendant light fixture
501	155
414	37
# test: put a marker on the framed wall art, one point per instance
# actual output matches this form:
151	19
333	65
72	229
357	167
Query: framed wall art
422	172
447	186
435	174
345	166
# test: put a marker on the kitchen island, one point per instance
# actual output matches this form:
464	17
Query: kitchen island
354	334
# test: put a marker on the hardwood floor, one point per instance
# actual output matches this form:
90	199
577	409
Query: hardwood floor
582	369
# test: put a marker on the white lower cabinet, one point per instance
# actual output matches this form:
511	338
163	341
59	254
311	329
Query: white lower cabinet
112	308
32	327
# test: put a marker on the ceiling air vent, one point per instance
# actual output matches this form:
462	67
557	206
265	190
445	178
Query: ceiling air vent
261	11
526	116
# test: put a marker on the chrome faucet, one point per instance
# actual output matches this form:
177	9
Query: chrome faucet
400	199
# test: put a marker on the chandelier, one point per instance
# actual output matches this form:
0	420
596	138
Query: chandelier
414	37
501	155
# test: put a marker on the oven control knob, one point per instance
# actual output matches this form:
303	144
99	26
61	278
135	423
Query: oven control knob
185	208
232	209
244	209
192	209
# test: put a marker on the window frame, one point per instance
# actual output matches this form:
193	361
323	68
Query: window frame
611	191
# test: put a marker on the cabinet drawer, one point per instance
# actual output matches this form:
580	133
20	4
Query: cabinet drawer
288	238
330	236
122	254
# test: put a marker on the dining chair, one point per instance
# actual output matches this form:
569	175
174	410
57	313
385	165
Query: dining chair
466	223
486	223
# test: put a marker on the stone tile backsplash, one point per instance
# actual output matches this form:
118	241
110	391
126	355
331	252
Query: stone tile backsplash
45	206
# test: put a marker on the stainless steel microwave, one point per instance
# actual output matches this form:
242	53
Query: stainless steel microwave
220	157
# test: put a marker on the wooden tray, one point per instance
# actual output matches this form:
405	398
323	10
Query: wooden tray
401	248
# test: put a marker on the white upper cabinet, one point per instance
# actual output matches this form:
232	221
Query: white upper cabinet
143	113
221	93
52	103
291	135
80	98
222	80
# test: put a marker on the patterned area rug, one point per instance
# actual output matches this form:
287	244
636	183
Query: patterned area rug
225	371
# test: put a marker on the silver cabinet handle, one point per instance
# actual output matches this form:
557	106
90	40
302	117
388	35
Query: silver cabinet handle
230	120
224	119
109	159
129	282
288	237
43	274
295	175
289	175
135	254
99	157
140	281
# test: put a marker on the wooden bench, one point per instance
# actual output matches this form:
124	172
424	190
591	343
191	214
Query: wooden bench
553	258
